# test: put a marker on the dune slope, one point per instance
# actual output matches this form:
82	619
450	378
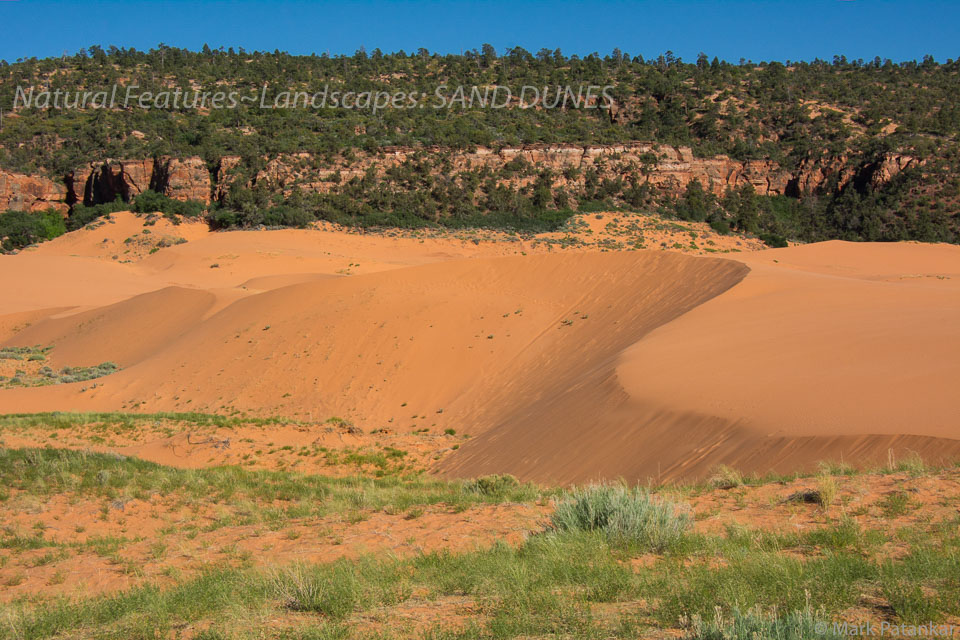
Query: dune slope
457	343
822	352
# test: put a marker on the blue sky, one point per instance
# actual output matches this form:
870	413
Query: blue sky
770	30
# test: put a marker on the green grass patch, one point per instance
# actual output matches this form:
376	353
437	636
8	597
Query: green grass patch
289	494
630	516
550	586
67	420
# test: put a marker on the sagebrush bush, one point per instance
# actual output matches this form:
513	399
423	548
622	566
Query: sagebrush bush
626	515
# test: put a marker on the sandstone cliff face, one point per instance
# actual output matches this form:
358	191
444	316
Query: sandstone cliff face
664	167
186	179
812	176
224	176
101	182
30	193
105	181
889	166
667	169
817	176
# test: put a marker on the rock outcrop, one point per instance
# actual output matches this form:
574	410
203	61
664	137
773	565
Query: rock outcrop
887	167
186	179
814	175
223	176
100	182
30	193
664	167
667	169
105	182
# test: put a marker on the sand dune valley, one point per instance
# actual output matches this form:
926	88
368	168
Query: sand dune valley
186	405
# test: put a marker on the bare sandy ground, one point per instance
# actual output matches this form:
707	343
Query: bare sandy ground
565	361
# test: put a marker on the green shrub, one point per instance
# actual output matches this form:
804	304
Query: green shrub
774	240
81	215
493	485
152	202
720	226
20	229
623	514
896	504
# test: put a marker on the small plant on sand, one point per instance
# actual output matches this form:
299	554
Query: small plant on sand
15	579
299	588
896	504
58	577
44	375
493	485
725	477
835	468
623	514
913	465
331	590
827	488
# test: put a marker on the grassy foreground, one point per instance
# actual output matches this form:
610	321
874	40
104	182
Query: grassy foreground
602	562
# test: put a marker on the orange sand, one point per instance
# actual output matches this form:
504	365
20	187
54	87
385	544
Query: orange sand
563	364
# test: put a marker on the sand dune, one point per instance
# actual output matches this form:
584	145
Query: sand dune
822	352
563	366
125	332
826	351
95	266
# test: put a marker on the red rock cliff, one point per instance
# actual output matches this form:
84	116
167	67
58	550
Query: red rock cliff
99	182
668	169
30	193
